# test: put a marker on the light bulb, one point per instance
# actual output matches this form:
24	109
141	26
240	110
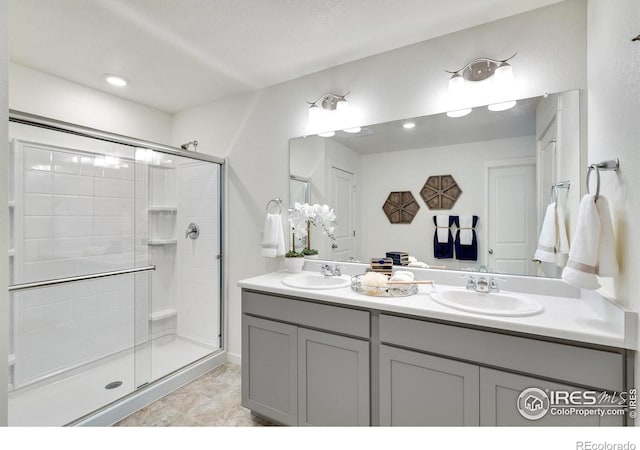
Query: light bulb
327	134
504	73
408	125
459	113
342	106
456	83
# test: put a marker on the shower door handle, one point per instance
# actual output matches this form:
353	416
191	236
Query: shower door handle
93	276
193	231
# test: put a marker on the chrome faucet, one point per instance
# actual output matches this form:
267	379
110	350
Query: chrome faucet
483	285
329	271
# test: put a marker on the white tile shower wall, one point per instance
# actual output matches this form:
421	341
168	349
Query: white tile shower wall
198	306
77	213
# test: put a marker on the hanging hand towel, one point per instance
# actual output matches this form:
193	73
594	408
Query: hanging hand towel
582	266
273	236
607	262
553	243
443	245
466	242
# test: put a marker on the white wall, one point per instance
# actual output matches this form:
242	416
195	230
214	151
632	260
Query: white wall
408	171
4	219
614	132
39	93
253	130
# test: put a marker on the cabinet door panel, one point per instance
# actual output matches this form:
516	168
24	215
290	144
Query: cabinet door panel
333	380
424	390
499	393
269	369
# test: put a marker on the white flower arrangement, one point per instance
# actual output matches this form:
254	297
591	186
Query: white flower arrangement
303	215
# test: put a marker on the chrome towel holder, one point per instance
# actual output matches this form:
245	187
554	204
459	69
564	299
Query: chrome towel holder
607	166
559	185
274	201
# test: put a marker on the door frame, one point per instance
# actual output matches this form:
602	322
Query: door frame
488	165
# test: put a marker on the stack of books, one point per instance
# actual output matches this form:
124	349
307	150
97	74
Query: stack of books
399	258
382	265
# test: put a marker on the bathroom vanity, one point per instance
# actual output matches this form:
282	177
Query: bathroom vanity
335	357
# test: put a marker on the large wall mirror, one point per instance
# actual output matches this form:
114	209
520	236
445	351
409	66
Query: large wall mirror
508	165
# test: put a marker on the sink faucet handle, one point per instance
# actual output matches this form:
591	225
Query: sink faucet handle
471	282
337	270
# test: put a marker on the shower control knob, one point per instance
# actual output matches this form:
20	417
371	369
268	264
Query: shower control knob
193	231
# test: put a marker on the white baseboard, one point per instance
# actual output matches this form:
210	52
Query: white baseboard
234	358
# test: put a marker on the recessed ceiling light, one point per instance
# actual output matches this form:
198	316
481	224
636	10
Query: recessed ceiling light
115	80
408	125
459	113
352	130
502	106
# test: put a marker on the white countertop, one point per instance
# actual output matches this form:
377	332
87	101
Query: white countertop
563	317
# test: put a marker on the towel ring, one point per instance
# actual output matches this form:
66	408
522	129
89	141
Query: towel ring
275	201
593	167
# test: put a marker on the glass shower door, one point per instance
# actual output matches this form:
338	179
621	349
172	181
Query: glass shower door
74	275
183	243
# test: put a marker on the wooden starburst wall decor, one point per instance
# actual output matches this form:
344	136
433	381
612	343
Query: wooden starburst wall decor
400	207
440	192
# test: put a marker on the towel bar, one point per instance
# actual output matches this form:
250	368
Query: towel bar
608	166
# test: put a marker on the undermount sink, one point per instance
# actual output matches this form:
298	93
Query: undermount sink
315	281
494	303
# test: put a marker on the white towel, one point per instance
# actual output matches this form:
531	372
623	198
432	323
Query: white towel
402	275
593	245
466	231
553	243
607	262
273	236
442	224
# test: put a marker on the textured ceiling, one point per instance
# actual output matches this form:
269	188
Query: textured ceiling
182	53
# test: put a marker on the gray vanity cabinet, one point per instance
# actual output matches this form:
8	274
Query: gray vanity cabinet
499	392
305	363
424	390
269	369
333	379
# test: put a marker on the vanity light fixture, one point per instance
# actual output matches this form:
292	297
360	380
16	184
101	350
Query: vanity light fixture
326	112
115	80
480	69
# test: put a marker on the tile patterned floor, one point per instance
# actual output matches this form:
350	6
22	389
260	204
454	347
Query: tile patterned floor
211	400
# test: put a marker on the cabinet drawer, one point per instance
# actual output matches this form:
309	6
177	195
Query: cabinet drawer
584	366
315	315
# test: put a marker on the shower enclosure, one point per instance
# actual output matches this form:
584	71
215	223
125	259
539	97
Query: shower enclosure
115	267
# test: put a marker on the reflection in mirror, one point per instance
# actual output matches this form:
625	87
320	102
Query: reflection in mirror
505	164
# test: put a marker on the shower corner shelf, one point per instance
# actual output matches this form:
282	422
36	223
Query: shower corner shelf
12	203
159	208
12	359
162	241
12	252
162	314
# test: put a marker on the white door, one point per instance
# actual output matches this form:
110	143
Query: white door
343	201
511	219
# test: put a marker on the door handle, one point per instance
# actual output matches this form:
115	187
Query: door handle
334	246
491	251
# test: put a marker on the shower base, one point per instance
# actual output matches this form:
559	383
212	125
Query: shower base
65	399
